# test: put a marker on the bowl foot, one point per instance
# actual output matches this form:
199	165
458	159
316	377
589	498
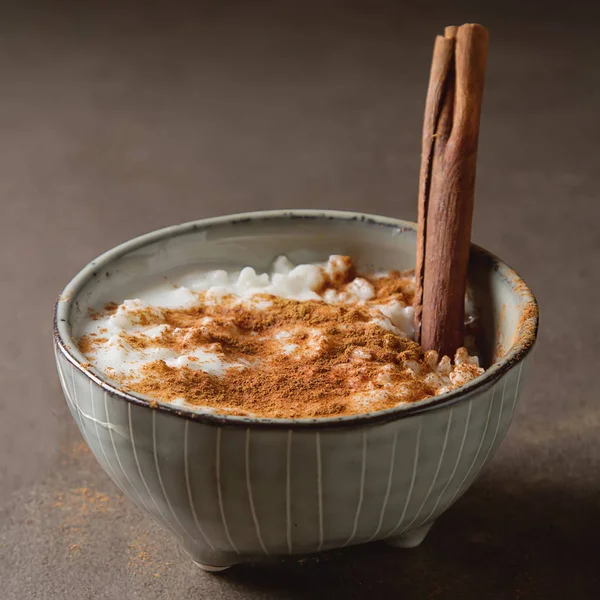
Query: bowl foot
211	568
208	559
410	539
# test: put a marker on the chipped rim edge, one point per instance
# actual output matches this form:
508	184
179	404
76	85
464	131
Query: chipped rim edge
525	339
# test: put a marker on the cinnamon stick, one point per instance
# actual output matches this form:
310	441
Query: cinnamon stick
447	183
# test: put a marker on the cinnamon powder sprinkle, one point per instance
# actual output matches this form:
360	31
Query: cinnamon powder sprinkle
293	359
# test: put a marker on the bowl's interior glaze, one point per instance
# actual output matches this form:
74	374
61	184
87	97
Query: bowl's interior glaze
247	243
256	239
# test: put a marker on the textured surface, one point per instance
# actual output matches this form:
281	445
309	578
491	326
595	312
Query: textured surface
116	122
228	494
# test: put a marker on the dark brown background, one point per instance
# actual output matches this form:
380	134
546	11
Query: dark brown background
122	118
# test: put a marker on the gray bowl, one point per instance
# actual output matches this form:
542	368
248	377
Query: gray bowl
236	488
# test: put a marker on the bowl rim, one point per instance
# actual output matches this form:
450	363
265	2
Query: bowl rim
525	338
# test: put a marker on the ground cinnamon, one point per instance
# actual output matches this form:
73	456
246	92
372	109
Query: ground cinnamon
338	361
346	359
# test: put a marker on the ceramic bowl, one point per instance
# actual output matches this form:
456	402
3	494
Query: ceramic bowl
232	488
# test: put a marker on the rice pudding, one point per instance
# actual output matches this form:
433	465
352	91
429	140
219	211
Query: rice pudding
309	340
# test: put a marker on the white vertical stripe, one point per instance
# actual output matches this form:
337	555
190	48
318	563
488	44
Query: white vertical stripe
116	479
361	493
189	487
320	491
487	454
437	472
250	497
112	439
512	410
74	398
77	409
487	422
62	377
73	402
288	491
412	481
514	403
497	425
220	494
451	478
160	481
108	463
162	518
388	489
65	388
77	415
137	463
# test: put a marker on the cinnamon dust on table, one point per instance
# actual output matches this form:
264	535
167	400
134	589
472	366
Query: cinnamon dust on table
340	353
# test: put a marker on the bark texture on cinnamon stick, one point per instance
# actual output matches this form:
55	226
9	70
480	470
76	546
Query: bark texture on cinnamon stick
447	185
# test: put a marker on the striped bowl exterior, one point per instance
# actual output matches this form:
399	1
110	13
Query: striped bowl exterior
231	493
